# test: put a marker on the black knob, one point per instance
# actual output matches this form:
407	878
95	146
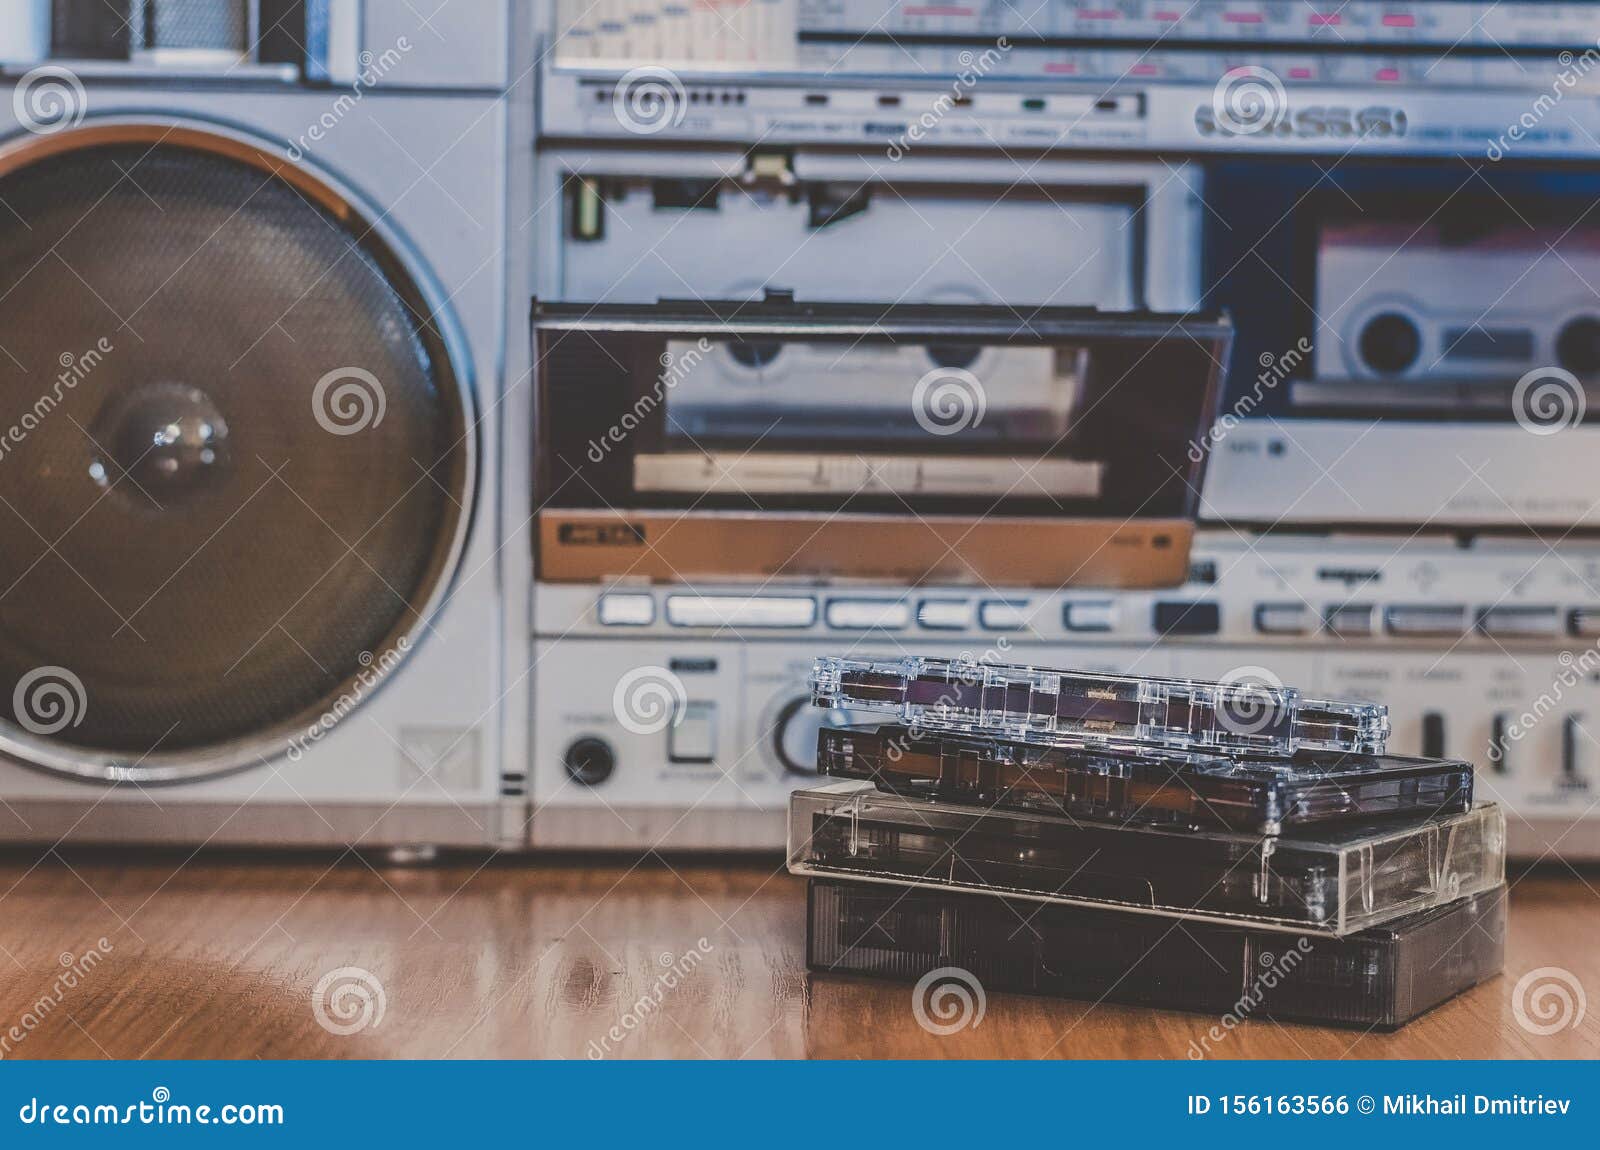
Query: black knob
590	760
754	354
1578	346
1389	343
960	355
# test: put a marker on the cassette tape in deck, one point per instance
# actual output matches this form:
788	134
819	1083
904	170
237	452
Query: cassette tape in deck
905	443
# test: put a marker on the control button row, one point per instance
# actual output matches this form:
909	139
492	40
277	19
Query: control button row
1425	620
1169	617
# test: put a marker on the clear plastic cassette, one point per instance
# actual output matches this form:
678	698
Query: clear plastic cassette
1172	788
1335	880
1380	978
1035	704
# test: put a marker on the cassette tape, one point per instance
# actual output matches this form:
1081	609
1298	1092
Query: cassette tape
1033	704
1335	879
1380	978
1155	787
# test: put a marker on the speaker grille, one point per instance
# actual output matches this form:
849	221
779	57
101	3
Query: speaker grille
234	456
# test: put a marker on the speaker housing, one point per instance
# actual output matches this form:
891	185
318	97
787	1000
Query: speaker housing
419	758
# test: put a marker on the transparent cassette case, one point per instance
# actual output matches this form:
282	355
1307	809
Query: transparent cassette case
1380	978
1179	789
1034	704
1334	880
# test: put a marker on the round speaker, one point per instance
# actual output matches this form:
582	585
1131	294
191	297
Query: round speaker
237	451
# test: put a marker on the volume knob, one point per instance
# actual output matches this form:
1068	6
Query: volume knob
1389	343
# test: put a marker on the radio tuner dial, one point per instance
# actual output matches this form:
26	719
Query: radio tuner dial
794	735
1578	346
589	760
1389	343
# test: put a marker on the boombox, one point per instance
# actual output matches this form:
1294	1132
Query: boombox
473	440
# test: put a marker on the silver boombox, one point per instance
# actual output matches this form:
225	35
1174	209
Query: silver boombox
860	328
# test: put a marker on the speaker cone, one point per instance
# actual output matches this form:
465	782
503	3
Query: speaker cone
236	452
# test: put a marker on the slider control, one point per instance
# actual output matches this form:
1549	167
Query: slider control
1500	742
1576	748
1433	735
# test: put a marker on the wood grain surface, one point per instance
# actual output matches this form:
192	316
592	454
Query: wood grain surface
174	956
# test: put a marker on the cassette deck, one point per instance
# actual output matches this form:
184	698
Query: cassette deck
1052	154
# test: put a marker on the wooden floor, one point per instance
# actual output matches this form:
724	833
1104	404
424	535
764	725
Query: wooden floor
156	956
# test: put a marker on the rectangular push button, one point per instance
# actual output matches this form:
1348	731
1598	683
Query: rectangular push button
1090	615
1197	618
1349	620
1432	620
619	610
1520	622
1003	614
944	614
1283	618
865	614
693	738
739	611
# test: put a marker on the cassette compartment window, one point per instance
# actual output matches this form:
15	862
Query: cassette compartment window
827	414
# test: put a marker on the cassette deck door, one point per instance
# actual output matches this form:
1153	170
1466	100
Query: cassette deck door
780	441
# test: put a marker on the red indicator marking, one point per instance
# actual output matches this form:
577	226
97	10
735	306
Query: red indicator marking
1143	70
1299	73
1328	20
1389	74
1399	21
1242	17
1068	66
1168	17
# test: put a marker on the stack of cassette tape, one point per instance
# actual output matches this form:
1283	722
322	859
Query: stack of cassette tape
1233	848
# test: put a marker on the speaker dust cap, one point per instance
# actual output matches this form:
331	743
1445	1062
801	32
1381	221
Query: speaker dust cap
236	453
